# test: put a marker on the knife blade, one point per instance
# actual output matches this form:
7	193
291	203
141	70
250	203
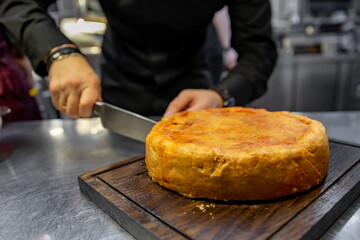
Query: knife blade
124	122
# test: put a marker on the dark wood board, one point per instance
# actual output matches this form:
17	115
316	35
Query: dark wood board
148	211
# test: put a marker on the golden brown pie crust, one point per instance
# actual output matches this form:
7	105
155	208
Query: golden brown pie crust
237	153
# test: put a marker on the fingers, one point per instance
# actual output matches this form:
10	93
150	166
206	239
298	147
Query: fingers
55	100
88	98
74	87
179	104
194	99
79	104
71	105
199	105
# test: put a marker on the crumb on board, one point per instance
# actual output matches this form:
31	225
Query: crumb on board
203	207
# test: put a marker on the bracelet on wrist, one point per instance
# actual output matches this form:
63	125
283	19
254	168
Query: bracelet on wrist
61	53
229	101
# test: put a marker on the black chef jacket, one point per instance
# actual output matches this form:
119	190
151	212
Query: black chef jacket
153	49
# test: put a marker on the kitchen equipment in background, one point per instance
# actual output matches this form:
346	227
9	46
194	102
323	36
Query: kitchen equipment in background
318	64
325	8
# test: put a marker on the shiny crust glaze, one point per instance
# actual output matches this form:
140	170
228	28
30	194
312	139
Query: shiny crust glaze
237	153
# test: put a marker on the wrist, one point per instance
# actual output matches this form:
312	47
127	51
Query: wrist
228	100
62	46
46	57
218	100
61	52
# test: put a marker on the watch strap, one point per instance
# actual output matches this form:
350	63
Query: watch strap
229	101
62	53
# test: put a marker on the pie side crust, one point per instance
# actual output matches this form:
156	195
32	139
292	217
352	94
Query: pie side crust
237	153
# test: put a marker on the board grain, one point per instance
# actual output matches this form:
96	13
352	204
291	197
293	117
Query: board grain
148	211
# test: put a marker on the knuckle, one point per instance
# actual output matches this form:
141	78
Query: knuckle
85	104
74	83
93	78
185	92
62	86
96	79
54	87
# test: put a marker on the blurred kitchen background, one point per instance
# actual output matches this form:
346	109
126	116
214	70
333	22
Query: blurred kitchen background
318	68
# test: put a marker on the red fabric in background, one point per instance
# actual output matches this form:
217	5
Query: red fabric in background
15	87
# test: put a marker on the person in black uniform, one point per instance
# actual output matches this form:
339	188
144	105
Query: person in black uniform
159	56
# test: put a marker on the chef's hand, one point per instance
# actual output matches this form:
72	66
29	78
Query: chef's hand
194	99
74	86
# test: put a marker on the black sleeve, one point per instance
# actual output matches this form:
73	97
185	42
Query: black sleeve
252	39
28	24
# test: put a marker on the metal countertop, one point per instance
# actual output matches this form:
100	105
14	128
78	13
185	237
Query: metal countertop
41	160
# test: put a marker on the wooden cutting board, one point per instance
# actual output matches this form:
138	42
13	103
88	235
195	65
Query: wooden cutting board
148	211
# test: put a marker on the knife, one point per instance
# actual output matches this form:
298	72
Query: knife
124	122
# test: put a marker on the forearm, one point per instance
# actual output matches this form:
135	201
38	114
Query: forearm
27	23
248	80
252	39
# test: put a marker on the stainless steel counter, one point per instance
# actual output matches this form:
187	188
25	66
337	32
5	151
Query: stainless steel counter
41	160
345	127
